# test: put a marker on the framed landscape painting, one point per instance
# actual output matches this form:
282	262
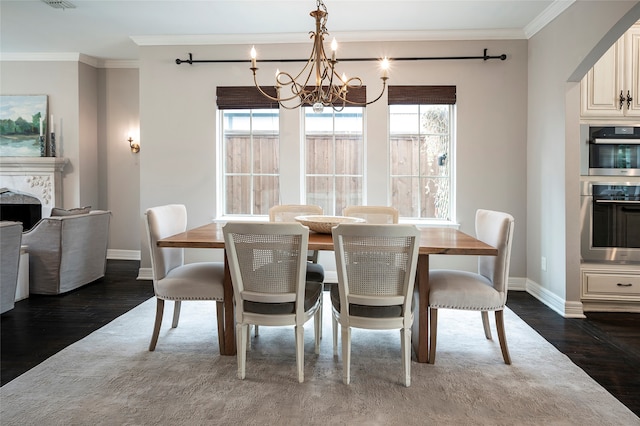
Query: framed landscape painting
22	121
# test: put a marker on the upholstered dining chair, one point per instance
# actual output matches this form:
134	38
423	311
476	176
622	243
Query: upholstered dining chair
483	291
172	278
376	266
373	214
267	262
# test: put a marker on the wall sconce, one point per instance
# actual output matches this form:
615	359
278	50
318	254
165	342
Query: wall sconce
135	148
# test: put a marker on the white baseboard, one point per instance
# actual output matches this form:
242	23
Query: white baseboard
553	301
144	274
123	254
517	284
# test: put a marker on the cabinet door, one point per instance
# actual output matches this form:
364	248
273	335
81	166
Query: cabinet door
632	69
600	88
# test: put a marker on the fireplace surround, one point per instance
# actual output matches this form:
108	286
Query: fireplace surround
39	177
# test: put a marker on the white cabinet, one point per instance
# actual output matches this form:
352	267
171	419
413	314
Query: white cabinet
611	89
610	287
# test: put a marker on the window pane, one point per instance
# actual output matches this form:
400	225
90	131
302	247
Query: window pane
265	154
349	192
237	195
405	158
266	193
251	146
420	156
237	157
348	155
435	202
405	196
319	154
320	192
434	154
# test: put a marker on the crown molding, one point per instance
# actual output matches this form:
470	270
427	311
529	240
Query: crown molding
547	15
68	57
378	36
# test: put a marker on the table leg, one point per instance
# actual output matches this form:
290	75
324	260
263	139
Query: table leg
229	314
420	331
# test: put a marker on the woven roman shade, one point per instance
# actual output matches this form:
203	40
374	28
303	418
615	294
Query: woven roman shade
245	97
421	95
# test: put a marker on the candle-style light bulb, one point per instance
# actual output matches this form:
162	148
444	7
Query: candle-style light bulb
334	48
40	126
253	57
385	68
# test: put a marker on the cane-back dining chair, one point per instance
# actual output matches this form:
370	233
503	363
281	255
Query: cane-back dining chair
267	262
376	266
483	291
287	213
172	278
373	214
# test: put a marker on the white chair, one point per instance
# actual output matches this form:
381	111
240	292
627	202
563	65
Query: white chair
287	213
10	240
172	278
267	262
483	291
373	214
376	266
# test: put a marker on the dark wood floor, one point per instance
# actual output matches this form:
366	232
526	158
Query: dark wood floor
605	345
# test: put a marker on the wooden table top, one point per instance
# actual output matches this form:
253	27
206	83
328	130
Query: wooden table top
433	240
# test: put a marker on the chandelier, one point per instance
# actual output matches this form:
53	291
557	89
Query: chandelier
330	88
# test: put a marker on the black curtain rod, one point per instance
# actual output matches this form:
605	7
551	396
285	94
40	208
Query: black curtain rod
485	57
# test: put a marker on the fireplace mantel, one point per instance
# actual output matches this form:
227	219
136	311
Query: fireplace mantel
32	164
40	177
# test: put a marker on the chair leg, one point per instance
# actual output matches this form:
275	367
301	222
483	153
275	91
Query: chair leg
485	324
256	332
220	315
242	330
502	337
317	328
158	322
346	355
433	331
300	352
334	322
320	309
405	345
176	313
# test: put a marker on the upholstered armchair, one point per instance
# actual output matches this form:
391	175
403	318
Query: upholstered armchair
10	240
66	252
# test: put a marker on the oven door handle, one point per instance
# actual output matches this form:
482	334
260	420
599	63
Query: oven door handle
629	202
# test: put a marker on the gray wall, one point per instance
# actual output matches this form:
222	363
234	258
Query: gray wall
553	203
177	104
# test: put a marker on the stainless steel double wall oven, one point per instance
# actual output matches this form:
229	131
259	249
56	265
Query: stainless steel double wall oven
610	194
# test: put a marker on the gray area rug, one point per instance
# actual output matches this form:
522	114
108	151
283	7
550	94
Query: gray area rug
109	378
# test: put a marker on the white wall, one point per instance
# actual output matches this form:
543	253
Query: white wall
553	204
178	126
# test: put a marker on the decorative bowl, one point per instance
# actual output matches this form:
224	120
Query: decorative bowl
323	224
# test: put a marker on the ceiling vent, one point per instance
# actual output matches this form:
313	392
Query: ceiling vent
60	4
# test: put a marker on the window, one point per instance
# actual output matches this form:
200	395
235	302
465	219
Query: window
249	151
334	155
421	129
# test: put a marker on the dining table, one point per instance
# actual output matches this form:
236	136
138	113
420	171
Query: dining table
433	240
